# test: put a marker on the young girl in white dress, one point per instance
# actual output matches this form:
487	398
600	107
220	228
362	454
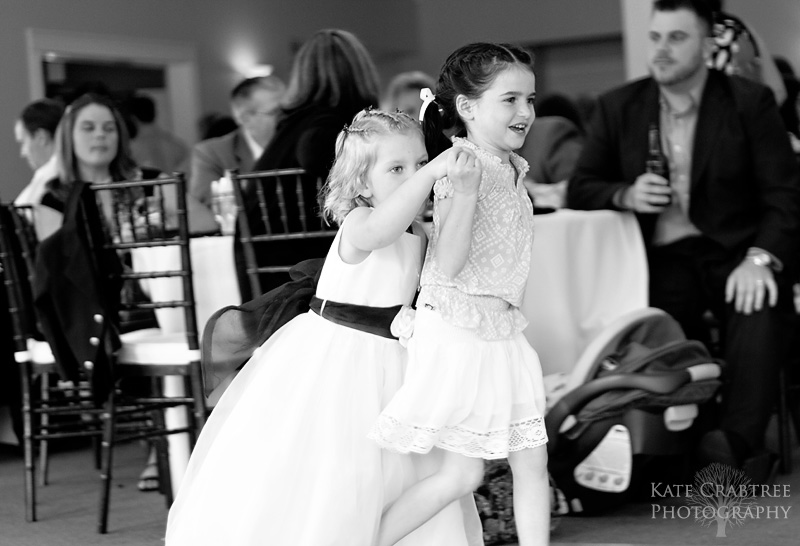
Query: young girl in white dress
473	385
284	458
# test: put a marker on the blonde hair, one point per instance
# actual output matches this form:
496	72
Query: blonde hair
355	155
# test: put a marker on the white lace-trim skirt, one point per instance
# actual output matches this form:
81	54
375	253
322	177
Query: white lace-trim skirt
465	394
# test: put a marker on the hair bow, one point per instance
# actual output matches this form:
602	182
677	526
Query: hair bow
427	97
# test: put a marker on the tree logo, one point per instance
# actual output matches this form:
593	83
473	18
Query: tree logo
722	495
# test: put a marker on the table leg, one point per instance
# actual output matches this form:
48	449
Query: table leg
179	444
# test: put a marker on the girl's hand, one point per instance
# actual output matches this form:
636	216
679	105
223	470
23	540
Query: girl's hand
464	171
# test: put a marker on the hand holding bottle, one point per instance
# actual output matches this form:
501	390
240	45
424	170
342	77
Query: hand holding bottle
651	191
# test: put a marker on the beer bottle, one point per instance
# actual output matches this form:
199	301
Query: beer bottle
656	161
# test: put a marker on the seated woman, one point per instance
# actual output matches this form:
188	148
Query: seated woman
92	145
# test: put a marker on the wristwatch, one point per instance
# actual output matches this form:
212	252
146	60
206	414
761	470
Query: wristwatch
761	259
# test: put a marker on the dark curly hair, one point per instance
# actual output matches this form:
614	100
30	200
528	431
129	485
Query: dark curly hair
468	71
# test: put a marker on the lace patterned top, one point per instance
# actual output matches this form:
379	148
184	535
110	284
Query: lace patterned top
485	296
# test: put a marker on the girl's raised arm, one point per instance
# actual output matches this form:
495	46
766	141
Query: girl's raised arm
377	227
456	213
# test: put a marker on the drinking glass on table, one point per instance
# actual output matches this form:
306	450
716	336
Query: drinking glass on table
223	203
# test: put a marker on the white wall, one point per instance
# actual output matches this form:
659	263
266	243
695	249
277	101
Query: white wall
447	24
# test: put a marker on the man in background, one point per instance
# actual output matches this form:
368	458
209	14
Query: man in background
722	228
153	146
255	104
35	132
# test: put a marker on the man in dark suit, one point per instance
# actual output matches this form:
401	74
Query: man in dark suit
255	104
723	231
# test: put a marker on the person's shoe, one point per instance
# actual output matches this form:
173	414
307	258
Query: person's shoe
148	479
720	446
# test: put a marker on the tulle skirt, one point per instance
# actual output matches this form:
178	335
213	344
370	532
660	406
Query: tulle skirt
465	394
284	457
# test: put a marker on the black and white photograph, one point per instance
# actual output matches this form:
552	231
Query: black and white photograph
400	272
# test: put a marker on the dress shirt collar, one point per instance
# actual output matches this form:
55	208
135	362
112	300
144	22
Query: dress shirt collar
33	192
254	146
682	104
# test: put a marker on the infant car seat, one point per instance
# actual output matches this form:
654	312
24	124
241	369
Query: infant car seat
634	393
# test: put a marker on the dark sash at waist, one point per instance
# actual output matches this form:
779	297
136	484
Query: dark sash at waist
373	320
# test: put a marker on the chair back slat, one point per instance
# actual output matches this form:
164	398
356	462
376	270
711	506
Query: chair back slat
301	202
10	259
262	207
17	257
24	222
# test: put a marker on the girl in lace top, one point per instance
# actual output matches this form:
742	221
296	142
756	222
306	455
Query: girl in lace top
473	386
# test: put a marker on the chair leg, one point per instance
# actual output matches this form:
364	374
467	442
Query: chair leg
793	404
784	430
161	444
109	425
98	452
44	423
198	394
794	410
27	440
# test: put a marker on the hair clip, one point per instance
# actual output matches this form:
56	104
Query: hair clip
427	97
346	129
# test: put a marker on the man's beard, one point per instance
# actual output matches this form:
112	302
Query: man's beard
681	75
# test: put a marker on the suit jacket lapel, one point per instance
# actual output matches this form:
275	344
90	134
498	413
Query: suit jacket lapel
241	150
710	118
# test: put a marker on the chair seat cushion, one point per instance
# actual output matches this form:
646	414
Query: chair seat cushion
152	346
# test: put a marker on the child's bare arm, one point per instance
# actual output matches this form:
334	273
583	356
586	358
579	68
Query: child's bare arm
373	228
456	213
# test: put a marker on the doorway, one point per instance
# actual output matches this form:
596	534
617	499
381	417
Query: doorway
165	69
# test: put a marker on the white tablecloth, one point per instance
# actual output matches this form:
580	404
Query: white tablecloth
587	268
213	274
215	286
